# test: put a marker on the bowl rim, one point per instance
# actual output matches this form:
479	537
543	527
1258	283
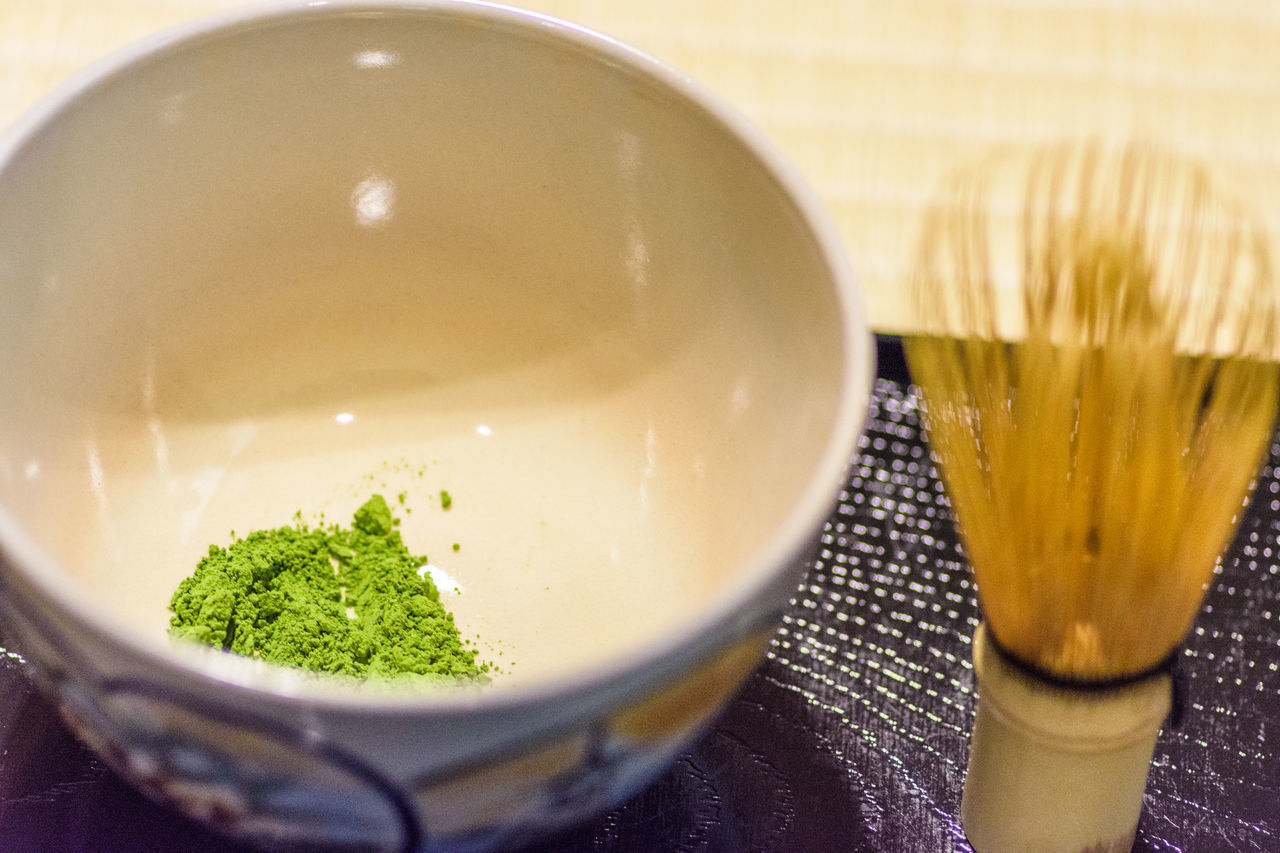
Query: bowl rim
721	622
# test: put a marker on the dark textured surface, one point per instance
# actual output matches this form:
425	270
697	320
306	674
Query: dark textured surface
853	734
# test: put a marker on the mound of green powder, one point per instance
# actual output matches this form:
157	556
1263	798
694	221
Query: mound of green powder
336	600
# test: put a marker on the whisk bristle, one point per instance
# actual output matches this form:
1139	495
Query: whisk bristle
1100	385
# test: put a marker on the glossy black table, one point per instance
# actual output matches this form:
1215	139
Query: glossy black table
853	733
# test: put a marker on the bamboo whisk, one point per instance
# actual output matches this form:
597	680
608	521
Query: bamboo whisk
1099	386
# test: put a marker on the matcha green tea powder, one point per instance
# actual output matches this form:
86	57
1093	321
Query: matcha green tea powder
346	601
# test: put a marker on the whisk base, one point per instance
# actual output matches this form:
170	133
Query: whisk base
1054	770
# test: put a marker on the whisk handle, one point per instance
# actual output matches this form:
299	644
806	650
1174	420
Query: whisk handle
1054	769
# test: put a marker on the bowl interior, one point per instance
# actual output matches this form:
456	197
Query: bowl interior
282	266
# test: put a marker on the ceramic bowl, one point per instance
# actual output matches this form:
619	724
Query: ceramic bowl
275	261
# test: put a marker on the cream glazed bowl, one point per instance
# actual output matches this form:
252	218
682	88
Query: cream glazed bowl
277	260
